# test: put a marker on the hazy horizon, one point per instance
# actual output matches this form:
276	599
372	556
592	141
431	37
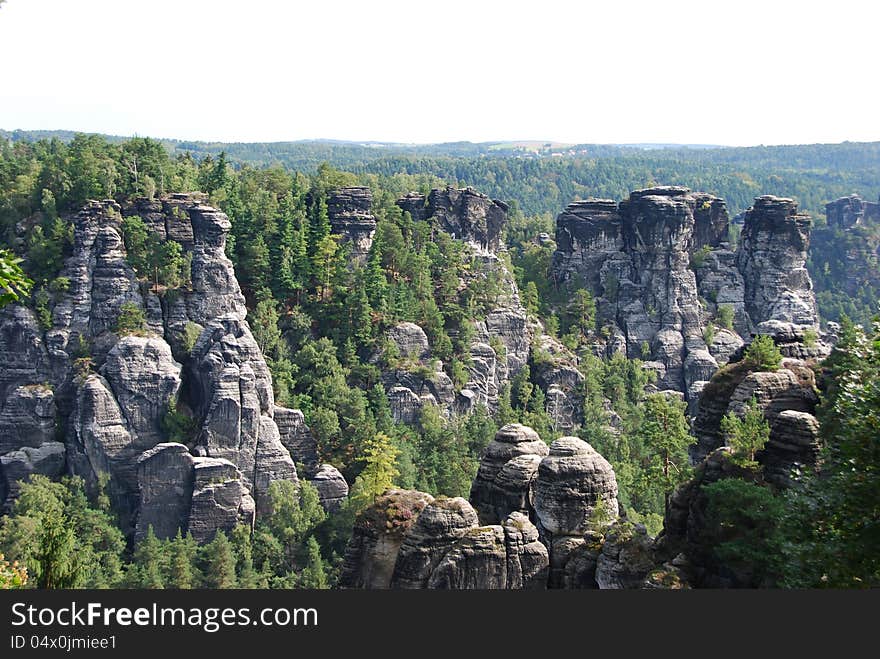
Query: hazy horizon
683	73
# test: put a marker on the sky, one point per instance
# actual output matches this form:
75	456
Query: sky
738	72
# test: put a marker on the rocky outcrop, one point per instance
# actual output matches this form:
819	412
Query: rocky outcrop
410	341
350	213
331	485
771	257
111	394
505	481
662	271
378	533
786	397
626	559
465	214
440	525
634	257
165	482
297	438
852	211
220	499
48	459
144	378
845	258
687	539
574	483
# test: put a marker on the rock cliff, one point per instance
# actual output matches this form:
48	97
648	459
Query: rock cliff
350	213
84	398
661	269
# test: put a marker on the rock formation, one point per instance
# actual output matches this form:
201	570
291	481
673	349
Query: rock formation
465	214
372	551
505	481
845	258
660	268
409	540
350	213
772	257
787	398
85	399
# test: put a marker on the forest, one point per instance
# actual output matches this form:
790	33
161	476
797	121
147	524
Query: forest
320	323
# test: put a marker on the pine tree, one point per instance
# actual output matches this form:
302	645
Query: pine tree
220	563
380	456
313	575
746	435
149	559
182	573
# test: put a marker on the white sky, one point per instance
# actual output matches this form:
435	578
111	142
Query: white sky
736	72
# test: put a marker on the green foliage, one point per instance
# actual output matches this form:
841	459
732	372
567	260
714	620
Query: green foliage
762	354
380	457
61	537
743	528
178	427
698	258
709	334
810	338
131	320
41	308
14	284
191	333
831	526
746	435
724	316
219	560
160	261
12	575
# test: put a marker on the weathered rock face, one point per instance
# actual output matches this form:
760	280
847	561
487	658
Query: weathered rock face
626	559
439	526
409	540
660	269
771	257
634	257
48	459
297	438
378	533
466	214
573	481
560	378
851	211
788	400
144	378
331	485
350	213
220	499
410	341
28	418
166	481
505	481
110	413
845	255
23	354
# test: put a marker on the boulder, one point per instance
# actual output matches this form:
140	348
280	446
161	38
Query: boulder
573	481
378	533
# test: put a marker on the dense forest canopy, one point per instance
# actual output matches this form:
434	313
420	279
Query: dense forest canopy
543	178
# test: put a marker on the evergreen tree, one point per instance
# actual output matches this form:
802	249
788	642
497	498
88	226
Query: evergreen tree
182	572
313	575
746	435
219	562
149	560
